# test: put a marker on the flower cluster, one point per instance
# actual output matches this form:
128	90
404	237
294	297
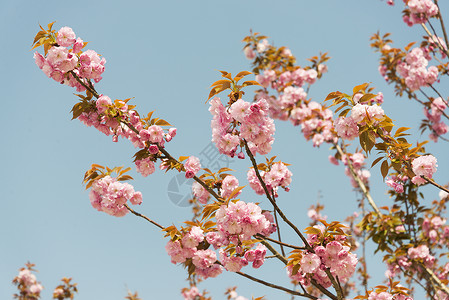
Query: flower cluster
397	183
110	196
242	121
348	127
387	296
357	161
240	221
424	165
414	71
435	230
334	255
277	176
420	11
65	56
434	114
316	122
192	166
27	284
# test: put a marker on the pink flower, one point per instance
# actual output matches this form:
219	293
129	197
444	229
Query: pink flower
192	166
102	104
193	238
424	165
249	53
203	259
228	185
145	166
310	262
65	37
346	128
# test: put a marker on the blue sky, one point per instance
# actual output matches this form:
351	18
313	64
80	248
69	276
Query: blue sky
166	54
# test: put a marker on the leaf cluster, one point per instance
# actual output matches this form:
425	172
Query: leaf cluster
231	84
45	37
97	172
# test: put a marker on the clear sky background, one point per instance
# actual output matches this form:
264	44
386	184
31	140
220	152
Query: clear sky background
166	54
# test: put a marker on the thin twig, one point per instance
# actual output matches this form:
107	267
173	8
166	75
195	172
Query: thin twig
274	286
279	242
360	183
277	225
435	184
144	217
275	253
276	207
443	28
430	35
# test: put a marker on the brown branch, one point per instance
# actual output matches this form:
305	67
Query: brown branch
89	87
274	286
275	253
434	183
443	28
144	217
438	43
435	278
278	242
168	156
276	207
360	183
277	225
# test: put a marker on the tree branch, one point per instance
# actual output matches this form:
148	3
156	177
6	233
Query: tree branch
144	217
274	286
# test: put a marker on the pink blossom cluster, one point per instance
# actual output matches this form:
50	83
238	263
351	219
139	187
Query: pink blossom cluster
186	247
333	255
192	166
316	122
294	79
420	11
61	59
414	70
424	165
191	294
357	161
28	285
420	253
228	185
110	196
240	221
435	42
278	176
347	127
397	183
233	295
200	193
242	120
434	229
315	215
145	166
434	116
387	296
234	263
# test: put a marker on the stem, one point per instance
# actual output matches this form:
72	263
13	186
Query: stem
144	217
274	286
442	23
435	184
276	207
89	87
360	183
439	95
434	277
278	242
275	253
277	224
430	35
